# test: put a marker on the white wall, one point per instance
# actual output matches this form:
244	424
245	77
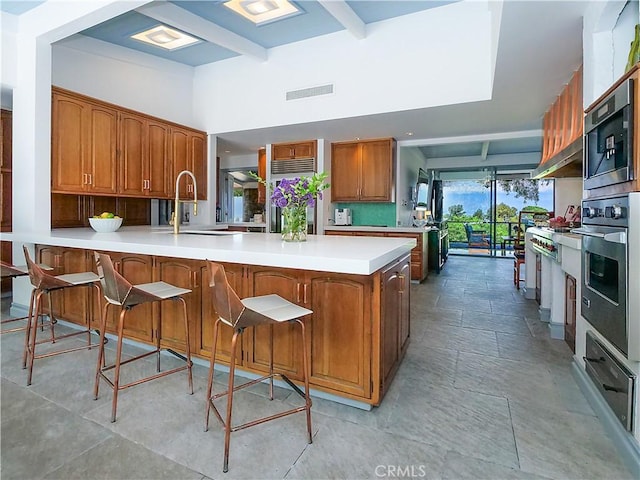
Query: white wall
567	191
410	62
124	77
409	161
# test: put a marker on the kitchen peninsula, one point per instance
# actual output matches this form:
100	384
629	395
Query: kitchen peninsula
358	289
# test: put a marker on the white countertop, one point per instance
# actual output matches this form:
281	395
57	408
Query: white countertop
363	228
356	255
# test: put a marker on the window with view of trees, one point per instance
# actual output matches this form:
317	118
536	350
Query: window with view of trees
471	201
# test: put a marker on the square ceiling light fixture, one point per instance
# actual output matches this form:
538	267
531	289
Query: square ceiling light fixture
165	37
262	11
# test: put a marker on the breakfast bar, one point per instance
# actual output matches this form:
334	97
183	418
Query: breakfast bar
357	288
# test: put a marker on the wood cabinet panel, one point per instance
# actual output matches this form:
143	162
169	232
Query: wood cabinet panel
188	152
363	171
287	351
288	151
68	211
340	350
83	146
262	173
144	157
136	269
235	276
182	273
6	148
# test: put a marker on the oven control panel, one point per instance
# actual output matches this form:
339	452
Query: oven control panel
612	211
545	246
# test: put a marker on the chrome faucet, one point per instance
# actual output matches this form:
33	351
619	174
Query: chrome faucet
176	221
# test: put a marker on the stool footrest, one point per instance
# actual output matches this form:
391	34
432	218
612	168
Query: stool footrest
58	352
145	379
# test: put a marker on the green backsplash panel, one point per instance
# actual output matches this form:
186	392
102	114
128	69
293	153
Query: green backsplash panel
371	213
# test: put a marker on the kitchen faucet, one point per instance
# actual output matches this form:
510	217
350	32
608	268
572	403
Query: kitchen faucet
176	221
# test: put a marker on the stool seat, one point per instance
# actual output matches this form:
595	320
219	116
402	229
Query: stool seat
44	284
119	292
240	314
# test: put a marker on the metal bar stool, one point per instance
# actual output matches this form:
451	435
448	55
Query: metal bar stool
240	314
43	284
120	293
8	270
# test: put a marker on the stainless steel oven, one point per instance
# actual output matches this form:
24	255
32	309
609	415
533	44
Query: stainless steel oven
608	130
610	279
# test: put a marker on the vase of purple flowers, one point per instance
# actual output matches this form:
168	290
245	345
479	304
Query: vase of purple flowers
294	196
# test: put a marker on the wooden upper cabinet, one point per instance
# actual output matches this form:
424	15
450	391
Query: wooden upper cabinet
363	171
262	173
83	146
288	151
188	152
144	157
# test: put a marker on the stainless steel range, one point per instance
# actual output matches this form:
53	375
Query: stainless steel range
542	242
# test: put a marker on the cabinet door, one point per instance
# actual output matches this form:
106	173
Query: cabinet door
234	274
340	350
68	143
68	210
6	157
262	173
404	314
156	170
345	172
377	171
179	160
287	351
70	304
136	269
282	151
304	150
101	163
185	274
198	163
133	154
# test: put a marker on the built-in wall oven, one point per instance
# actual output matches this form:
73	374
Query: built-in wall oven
608	130
610	269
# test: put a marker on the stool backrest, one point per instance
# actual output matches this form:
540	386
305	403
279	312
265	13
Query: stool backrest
226	302
38	277
115	287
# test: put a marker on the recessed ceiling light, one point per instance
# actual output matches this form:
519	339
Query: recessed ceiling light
165	37
409	134
262	11
227	151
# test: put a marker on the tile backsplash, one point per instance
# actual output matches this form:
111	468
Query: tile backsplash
371	213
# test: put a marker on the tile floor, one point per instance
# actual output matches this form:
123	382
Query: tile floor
483	393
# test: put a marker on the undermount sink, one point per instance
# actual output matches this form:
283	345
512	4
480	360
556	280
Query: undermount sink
210	232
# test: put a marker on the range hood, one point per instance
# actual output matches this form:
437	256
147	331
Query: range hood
567	163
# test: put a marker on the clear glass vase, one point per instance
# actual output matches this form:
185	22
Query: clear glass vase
294	224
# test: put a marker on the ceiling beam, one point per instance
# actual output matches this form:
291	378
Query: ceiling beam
181	19
346	16
485	149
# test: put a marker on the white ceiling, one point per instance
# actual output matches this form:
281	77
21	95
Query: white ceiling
540	46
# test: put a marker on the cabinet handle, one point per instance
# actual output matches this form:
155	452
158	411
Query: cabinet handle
84	178
194	280
90	179
401	280
58	260
298	292
304	293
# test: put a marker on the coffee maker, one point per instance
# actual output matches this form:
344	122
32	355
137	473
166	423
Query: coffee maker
342	216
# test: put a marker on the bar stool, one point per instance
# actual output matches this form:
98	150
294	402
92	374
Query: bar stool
43	284
8	270
518	260
240	314
120	293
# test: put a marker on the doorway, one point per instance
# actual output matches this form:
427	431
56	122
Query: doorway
481	208
239	196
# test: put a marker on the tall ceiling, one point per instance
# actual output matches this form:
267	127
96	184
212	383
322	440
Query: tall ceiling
540	46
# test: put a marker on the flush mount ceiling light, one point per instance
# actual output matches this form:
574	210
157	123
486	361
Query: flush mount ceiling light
262	11
165	37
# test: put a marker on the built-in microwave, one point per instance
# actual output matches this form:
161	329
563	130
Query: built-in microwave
609	139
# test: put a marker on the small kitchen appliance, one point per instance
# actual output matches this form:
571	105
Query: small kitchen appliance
343	216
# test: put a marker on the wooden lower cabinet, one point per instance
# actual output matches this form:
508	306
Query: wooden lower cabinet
356	336
181	273
70	304
136	269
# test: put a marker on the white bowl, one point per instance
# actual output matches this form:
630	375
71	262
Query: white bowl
104	225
